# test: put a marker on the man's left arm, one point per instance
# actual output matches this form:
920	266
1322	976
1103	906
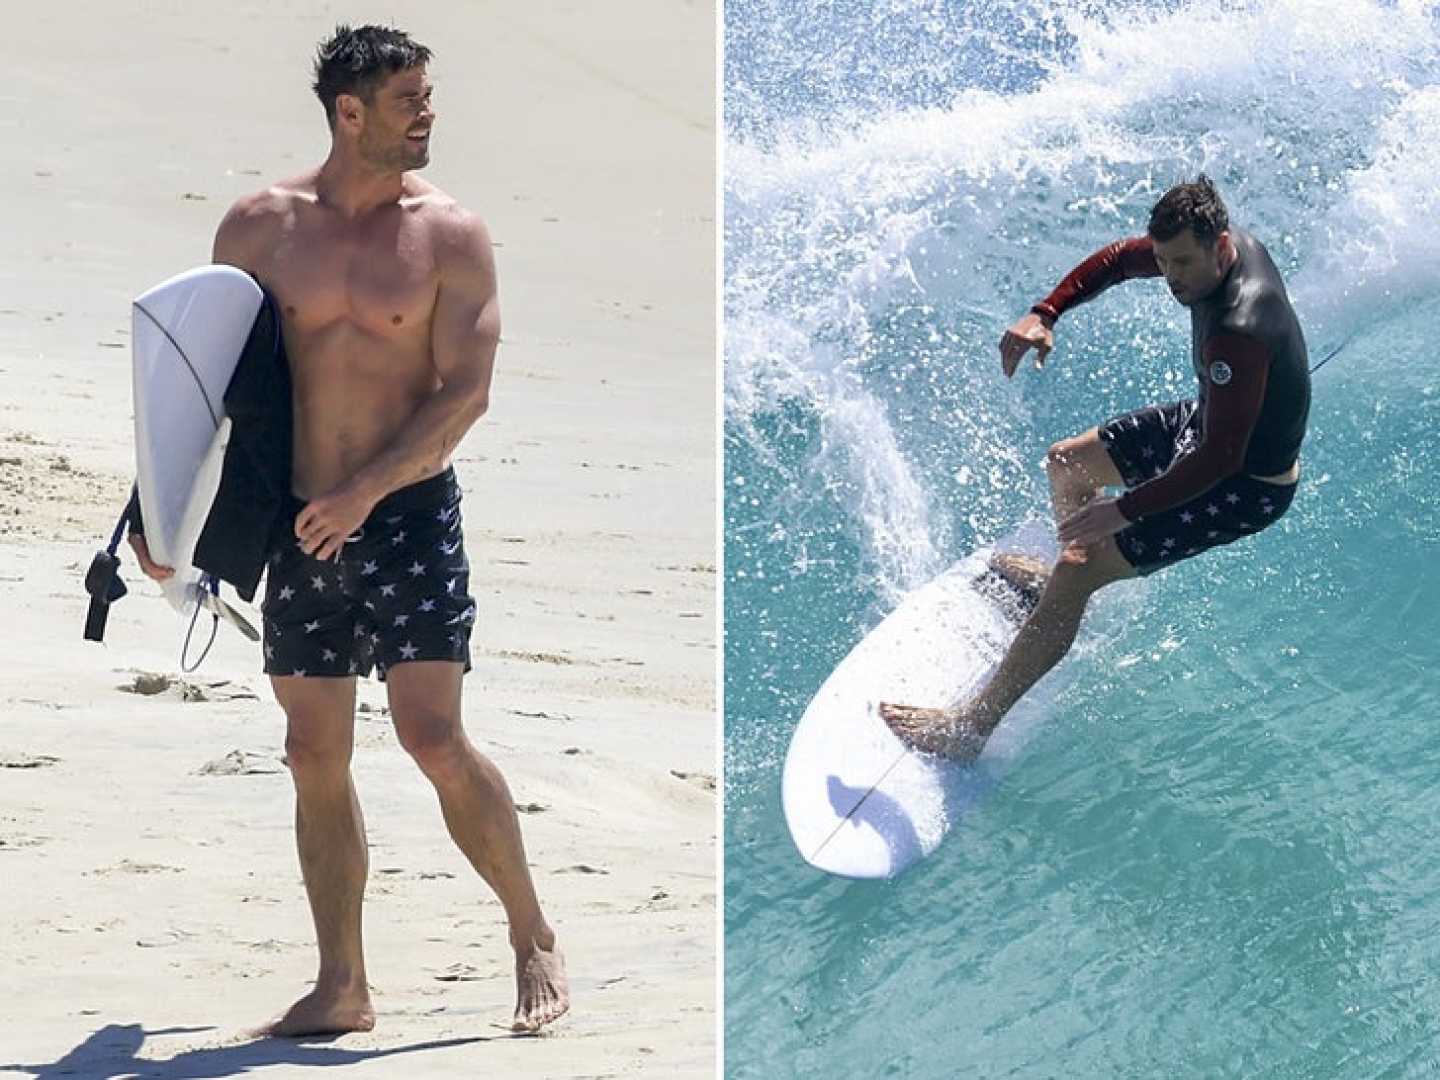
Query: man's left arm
1238	368
464	334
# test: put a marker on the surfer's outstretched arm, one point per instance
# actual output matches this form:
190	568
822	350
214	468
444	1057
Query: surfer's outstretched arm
1124	259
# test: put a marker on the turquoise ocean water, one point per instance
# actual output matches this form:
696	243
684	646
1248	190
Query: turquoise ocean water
1220	856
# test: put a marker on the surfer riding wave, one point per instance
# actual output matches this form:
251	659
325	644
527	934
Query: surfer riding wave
1196	474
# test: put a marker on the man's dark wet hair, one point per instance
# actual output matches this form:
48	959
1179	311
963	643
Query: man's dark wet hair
358	61
1195	206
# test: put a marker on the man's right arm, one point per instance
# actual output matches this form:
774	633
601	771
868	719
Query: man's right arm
1124	259
238	242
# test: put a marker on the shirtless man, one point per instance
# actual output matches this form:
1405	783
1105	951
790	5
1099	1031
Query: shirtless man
387	292
1197	474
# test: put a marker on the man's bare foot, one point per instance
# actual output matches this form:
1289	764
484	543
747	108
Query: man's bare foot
947	732
326	1012
542	993
1025	572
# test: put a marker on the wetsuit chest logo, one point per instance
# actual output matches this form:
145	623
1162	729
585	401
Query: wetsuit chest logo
1220	373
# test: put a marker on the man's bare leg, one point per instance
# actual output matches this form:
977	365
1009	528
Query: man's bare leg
1078	470
1041	643
480	814
330	835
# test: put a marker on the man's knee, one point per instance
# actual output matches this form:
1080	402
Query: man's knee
316	745
436	741
319	723
1086	568
1062	462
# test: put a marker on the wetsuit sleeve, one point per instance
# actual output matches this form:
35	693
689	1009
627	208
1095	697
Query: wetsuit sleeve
1114	263
1237	368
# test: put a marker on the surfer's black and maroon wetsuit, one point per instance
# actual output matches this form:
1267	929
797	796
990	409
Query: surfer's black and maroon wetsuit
1192	468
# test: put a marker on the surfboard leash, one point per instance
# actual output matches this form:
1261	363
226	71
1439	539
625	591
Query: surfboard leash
1332	354
102	580
207	583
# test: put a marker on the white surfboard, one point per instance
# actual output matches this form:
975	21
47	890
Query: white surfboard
187	336
858	802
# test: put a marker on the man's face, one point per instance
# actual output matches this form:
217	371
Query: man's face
1191	269
395	127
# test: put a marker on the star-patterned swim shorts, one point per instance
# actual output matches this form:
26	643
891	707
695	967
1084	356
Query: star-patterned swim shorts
1143	444
397	592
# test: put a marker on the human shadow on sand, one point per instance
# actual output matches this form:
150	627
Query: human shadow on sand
114	1051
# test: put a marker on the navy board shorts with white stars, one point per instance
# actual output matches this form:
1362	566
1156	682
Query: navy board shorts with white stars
397	592
1143	444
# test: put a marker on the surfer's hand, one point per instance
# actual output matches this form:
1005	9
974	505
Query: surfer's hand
1093	521
148	566
1031	332
325	523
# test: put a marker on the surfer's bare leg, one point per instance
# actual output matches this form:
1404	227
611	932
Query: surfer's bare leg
1078	468
1041	643
480	814
1048	633
330	835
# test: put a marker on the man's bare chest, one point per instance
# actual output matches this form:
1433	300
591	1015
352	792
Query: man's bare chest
382	280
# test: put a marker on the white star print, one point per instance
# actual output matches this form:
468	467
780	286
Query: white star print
1168	542
408	651
269	652
368	569
450	585
329	654
387	590
300	672
1187	517
1212	510
319	583
417	568
449	549
1232	498
1211	534
286	593
392	519
352	667
401	620
427	605
398	538
311	627
359	631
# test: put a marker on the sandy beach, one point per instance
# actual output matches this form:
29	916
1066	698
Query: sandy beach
150	897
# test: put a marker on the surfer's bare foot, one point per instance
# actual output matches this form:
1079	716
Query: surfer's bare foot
949	733
1014	583
1024	572
542	993
325	1012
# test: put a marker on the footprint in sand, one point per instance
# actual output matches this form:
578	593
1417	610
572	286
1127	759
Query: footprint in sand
704	780
27	761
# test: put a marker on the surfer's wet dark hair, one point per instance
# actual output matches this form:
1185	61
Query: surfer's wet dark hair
357	61
1195	206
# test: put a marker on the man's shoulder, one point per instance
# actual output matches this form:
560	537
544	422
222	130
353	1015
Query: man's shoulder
458	234
441	211
272	203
